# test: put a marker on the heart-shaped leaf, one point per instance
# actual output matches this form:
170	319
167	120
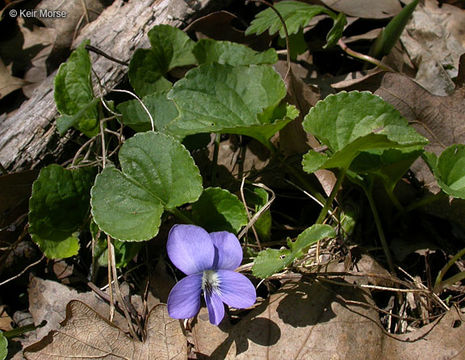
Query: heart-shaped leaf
219	210
225	52
58	207
163	111
74	94
245	100
270	261
157	173
449	170
171	48
349	123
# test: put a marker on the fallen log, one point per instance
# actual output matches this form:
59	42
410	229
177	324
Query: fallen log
29	135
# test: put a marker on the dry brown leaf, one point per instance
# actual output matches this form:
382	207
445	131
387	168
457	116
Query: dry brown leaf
8	83
303	321
86	335
300	321
48	299
5	319
38	36
434	40
219	26
365	8
68	28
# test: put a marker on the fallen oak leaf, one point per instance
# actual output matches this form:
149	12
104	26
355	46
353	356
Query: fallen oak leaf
320	321
9	83
86	335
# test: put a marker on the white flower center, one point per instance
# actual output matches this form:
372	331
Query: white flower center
210	282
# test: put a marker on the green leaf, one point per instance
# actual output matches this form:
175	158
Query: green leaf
245	100
3	346
124	251
73	93
58	207
349	123
449	170
271	261
391	33
171	48
219	210
157	173
145	73
225	52
336	31
296	15
388	165
162	110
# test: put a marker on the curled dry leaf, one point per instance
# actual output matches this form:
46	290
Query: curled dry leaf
86	335
434	41
316	321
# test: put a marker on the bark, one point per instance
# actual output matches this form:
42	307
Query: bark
29	136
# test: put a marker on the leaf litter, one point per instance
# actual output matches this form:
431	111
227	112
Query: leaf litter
306	319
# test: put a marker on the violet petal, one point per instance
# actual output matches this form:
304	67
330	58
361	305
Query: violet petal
215	308
184	299
236	290
190	249
229	252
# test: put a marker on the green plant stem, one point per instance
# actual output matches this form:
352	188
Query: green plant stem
363	57
425	201
215	158
439	284
379	227
395	200
329	201
305	184
180	215
21	330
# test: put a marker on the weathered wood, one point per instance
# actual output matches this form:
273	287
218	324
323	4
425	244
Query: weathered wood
29	135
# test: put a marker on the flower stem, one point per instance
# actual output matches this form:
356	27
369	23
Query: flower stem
439	284
180	215
305	184
363	57
379	227
425	201
333	194
216	148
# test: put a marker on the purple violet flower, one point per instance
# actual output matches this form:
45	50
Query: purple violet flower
209	261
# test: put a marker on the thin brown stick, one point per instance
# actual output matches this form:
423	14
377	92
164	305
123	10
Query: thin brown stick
105	55
248	213
111	252
23	271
